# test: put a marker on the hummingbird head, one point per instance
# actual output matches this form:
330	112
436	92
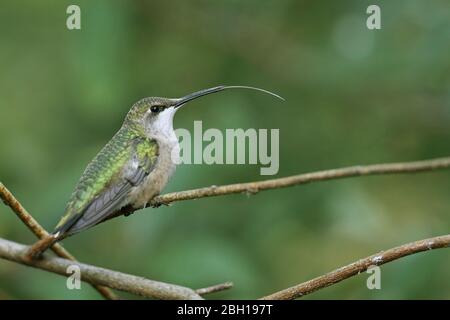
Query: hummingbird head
155	114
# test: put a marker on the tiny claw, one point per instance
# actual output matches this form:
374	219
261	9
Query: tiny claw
159	204
251	191
128	214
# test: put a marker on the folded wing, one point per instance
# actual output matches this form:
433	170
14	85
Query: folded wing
106	184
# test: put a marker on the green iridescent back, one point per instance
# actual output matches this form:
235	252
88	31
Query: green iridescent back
106	169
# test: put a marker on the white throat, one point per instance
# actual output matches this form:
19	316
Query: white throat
160	128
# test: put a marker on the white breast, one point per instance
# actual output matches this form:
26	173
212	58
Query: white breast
157	179
169	149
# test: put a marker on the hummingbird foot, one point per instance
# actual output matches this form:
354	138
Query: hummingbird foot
157	204
154	203
37	249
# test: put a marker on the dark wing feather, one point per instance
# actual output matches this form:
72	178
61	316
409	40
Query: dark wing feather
107	203
112	198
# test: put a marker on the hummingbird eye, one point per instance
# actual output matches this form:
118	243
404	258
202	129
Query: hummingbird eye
155	109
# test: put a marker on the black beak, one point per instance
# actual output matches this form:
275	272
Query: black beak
181	101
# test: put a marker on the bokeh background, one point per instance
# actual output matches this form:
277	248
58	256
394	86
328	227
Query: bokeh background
353	96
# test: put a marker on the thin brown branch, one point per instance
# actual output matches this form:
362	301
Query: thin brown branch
255	187
359	266
9	199
216	288
98	276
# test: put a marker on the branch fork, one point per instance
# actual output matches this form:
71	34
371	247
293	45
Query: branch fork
102	278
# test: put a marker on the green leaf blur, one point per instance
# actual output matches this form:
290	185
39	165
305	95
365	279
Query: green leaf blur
353	96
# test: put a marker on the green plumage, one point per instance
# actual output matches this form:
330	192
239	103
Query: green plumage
104	181
133	167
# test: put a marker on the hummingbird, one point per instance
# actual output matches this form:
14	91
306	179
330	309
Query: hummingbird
132	168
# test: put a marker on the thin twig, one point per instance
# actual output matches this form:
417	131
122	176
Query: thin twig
255	187
9	199
360	266
98	276
216	288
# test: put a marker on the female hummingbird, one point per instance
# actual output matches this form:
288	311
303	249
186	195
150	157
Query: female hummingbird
131	169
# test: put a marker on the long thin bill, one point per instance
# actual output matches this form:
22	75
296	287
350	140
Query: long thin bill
205	92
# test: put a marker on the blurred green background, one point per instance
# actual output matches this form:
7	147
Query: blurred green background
353	96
